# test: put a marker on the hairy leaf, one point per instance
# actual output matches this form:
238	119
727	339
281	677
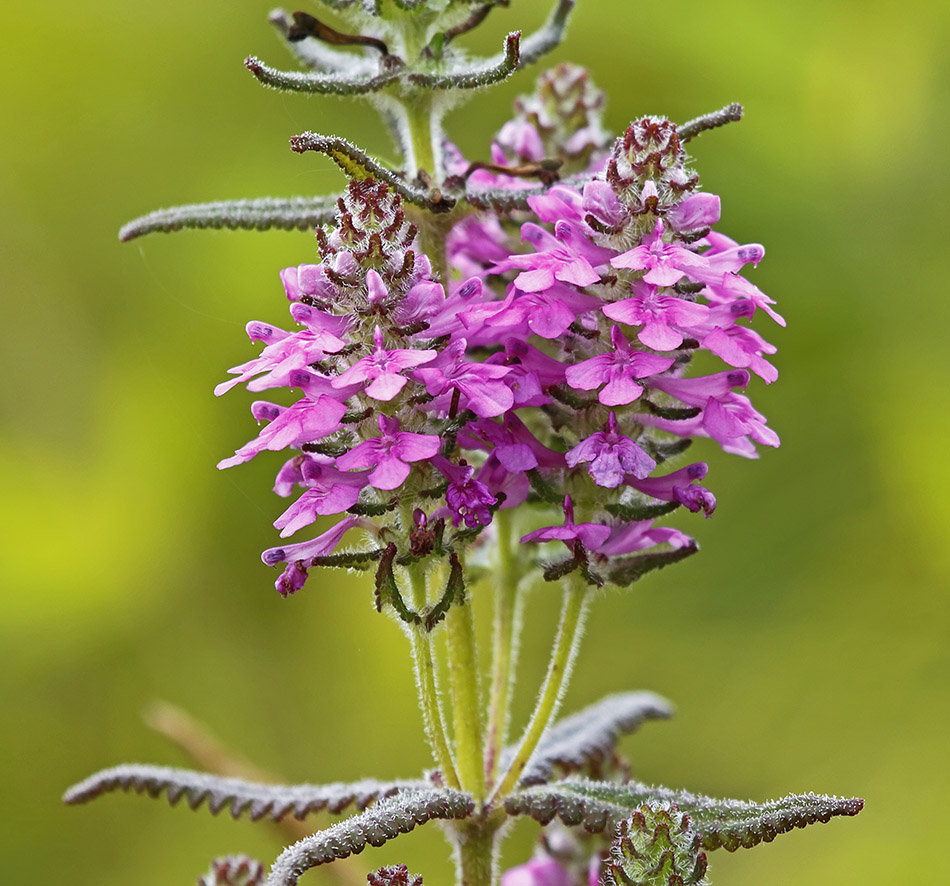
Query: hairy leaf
624	571
502	200
257	800
495	71
728	824
357	165
590	736
316	83
387	819
729	114
300	213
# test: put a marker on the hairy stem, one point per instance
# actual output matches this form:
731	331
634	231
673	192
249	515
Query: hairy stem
476	843
466	704
421	643
505	631
570	629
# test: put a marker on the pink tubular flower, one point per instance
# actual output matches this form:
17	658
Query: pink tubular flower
552	261
330	491
389	454
663	317
681	487
299	557
611	455
285	352
307	420
630	537
479	384
591	535
664	263
382	368
468	499
617	369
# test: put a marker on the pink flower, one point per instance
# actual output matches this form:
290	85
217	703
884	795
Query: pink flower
663	317
382	368
680	486
389	454
479	383
591	535
330	492
617	369
664	263
611	456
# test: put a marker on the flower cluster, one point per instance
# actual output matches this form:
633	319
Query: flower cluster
556	377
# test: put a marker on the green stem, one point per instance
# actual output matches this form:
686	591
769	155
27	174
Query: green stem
570	628
422	129
476	841
505	630
421	642
466	704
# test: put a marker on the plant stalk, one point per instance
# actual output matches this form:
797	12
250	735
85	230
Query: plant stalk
574	609
466	703
505	630
427	685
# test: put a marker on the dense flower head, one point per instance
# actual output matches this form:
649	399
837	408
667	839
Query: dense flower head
551	375
562	118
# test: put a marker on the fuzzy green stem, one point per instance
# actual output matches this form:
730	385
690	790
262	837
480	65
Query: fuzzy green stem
476	842
466	704
423	132
570	629
505	630
421	642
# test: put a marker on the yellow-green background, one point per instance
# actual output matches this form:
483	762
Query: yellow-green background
807	645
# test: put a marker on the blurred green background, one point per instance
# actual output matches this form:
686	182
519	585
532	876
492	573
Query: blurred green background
806	647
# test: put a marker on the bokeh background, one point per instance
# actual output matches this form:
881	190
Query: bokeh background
806	647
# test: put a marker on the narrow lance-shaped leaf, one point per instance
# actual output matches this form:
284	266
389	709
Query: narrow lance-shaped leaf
257	800
290	213
389	818
357	165
591	735
501	200
625	571
729	114
728	824
318	84
494	72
